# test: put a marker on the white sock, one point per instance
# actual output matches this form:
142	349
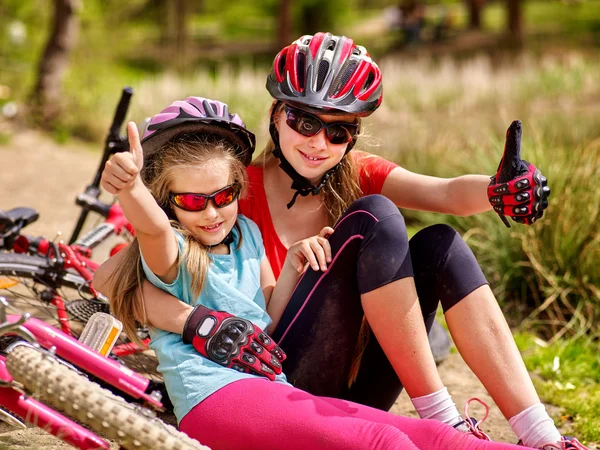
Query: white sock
534	427
438	406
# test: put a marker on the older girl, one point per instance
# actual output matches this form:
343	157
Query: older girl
191	243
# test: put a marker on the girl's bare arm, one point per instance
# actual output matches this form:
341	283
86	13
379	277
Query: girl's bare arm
460	196
163	311
121	176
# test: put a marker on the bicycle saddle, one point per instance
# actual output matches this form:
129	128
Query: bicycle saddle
22	216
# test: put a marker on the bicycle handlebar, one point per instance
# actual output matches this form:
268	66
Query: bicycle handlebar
115	143
89	200
121	112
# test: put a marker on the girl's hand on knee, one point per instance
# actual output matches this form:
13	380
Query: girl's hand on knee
314	251
123	169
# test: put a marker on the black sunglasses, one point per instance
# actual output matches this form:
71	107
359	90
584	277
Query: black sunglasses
309	125
198	202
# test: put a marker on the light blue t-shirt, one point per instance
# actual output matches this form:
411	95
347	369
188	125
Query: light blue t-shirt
232	284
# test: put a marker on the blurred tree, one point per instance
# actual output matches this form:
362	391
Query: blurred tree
173	21
313	16
284	23
475	9
53	63
515	21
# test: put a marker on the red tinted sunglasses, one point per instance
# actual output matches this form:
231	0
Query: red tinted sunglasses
308	125
198	202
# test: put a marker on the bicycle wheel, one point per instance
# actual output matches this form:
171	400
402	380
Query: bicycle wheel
63	388
29	283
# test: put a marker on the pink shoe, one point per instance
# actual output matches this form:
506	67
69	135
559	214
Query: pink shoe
566	443
471	425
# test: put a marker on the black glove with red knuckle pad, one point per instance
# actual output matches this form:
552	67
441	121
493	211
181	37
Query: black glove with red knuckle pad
233	342
518	189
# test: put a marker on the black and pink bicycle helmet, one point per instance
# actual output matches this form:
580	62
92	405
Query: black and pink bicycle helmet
326	74
198	115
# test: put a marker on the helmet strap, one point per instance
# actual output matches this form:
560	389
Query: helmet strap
301	185
227	241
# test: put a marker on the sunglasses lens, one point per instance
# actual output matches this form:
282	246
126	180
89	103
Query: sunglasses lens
226	196
309	125
338	134
302	123
190	202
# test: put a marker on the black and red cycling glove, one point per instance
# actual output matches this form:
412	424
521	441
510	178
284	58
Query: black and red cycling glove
233	342
518	189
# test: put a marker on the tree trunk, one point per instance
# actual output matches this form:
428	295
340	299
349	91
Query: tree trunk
312	19
181	36
475	7
284	24
515	21
65	30
174	32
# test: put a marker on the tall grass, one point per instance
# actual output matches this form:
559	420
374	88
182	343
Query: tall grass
447	118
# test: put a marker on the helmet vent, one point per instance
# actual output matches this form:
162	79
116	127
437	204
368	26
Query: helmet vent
369	81
323	69
344	77
301	70
282	64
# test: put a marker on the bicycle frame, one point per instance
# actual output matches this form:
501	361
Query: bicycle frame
44	417
38	333
77	253
77	257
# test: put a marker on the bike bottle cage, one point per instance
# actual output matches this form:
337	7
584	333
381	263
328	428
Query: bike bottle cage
101	333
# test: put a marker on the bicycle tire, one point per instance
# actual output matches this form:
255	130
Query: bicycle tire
35	274
85	401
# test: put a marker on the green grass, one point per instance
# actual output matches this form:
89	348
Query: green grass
568	375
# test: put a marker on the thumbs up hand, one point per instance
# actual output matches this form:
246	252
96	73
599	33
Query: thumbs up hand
122	171
518	189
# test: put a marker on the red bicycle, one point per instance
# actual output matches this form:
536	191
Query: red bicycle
40	376
53	280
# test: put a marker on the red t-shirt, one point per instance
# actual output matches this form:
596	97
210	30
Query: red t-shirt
373	170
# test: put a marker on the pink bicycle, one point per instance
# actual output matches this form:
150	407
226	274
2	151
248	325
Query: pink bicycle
41	373
53	280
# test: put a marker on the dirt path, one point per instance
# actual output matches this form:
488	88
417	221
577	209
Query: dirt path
36	172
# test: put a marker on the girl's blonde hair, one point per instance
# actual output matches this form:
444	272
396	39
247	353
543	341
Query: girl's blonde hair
186	152
342	188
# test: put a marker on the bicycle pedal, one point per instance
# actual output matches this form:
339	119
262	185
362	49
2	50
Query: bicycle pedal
101	332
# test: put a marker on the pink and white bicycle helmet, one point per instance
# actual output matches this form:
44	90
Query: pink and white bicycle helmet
326	74
198	115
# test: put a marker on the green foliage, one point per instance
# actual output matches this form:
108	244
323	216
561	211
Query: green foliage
569	376
22	37
554	19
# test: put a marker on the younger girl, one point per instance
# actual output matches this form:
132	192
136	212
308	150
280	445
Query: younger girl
180	193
